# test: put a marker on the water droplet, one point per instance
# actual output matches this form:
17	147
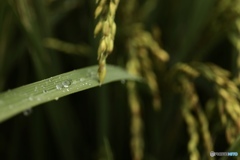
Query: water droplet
87	83
27	112
66	83
82	79
30	98
56	98
123	81
59	86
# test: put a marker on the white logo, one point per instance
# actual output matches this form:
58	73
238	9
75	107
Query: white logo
212	153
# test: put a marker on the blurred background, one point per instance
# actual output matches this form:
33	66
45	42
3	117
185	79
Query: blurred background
187	51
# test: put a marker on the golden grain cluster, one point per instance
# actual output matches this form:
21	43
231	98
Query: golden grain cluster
144	52
140	45
105	11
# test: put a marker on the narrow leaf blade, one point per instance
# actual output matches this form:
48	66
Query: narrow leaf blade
20	99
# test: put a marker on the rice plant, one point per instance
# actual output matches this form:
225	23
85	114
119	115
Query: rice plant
186	105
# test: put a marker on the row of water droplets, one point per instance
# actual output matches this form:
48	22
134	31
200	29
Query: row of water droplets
83	81
64	84
37	90
42	89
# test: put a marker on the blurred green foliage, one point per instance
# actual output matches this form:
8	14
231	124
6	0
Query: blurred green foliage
95	124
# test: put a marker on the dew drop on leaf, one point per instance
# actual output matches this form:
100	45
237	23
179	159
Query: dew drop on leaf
27	112
59	86
66	83
123	81
82	79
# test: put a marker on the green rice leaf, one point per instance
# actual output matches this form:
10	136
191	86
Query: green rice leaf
23	98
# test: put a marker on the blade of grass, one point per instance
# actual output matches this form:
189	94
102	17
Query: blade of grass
17	100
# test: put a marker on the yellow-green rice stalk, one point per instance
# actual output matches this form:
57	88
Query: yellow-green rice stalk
105	12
